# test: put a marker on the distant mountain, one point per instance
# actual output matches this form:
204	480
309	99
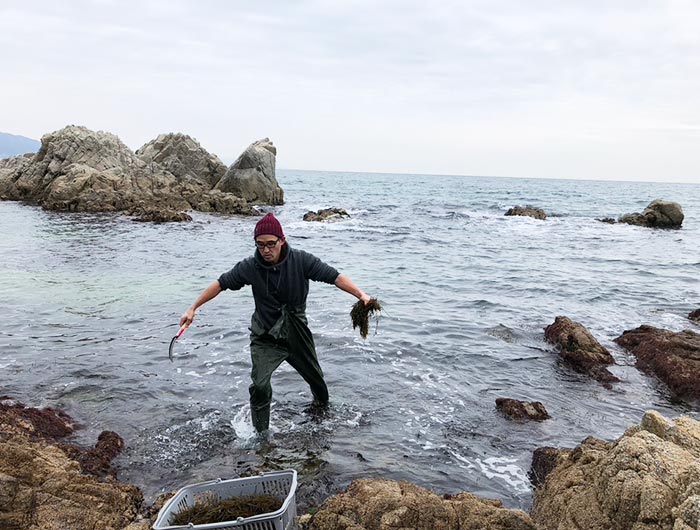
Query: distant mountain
12	145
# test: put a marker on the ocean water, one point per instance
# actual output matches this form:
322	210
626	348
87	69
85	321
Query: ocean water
90	302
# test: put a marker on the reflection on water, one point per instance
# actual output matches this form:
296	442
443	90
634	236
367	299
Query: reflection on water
91	301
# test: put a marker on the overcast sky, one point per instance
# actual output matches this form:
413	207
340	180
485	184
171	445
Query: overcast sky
560	89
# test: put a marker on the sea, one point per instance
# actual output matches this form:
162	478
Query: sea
89	304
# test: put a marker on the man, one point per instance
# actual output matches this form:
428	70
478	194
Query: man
279	276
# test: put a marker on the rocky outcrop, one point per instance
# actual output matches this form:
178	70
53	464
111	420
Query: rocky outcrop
252	175
77	169
674	357
528	211
659	214
47	484
576	344
326	214
648	479
182	156
522	410
379	504
10	166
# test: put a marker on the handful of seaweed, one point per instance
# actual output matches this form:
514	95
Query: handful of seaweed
208	509
360	314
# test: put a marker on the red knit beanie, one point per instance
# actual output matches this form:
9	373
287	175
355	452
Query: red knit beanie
268	225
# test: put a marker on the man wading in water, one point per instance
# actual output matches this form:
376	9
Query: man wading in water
279	276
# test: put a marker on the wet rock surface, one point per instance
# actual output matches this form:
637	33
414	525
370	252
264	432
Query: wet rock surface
674	357
80	170
577	346
659	214
527	211
326	214
694	315
380	504
648	479
49	484
544	460
522	410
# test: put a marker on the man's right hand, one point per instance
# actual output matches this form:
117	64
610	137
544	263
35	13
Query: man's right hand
187	318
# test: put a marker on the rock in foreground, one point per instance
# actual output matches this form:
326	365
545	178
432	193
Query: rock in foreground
580	349
47	484
659	214
379	504
674	357
649	479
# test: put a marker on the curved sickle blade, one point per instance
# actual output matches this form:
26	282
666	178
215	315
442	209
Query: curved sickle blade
173	340
170	350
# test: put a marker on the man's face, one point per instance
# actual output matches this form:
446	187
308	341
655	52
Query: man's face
270	247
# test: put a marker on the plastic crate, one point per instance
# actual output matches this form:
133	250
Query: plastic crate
280	484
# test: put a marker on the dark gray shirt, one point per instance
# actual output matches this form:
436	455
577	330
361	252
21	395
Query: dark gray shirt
284	283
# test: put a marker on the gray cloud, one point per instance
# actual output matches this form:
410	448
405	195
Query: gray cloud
480	87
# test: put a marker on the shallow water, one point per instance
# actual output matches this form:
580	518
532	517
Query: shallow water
90	303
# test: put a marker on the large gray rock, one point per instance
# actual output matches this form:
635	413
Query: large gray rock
10	166
183	157
659	214
77	169
252	175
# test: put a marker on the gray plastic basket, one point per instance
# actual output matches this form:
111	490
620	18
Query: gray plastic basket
280	484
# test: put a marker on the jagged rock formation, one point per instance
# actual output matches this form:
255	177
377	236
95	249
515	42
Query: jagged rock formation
252	175
577	345
380	504
326	214
515	409
528	211
674	357
77	169
659	214
184	158
648	479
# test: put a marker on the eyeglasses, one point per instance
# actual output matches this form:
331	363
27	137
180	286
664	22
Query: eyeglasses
267	244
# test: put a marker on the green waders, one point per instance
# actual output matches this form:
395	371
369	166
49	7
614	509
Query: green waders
289	340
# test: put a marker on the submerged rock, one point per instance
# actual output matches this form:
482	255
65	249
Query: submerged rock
528	211
380	504
659	214
522	410
576	344
158	215
674	357
694	315
252	175
77	169
648	479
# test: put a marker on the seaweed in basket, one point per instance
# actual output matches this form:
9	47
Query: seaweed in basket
209	509
360	314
